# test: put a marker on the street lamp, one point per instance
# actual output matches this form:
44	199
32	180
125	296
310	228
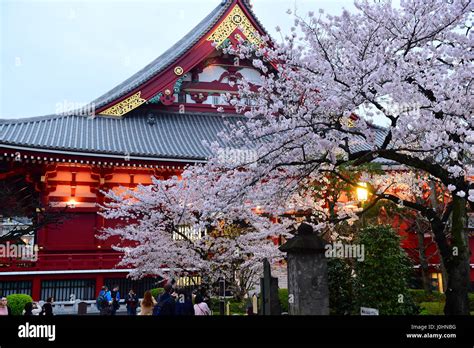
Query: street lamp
362	196
362	192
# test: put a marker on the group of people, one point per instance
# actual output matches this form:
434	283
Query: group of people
169	303
108	302
31	308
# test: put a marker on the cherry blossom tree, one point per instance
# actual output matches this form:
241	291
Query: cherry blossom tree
312	118
167	229
410	66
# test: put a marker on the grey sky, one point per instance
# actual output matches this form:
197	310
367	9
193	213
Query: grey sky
73	51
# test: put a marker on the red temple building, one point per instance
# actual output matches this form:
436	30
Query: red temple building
152	124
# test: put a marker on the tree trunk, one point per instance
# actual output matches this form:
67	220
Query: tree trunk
444	273
425	274
457	263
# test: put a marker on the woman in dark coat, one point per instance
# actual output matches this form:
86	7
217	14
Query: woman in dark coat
184	303
47	307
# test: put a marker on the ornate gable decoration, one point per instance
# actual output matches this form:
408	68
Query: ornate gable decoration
235	22
236	19
125	105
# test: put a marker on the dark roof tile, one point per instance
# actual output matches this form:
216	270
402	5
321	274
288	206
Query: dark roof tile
174	135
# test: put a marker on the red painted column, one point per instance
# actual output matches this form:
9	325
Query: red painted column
99	283
36	289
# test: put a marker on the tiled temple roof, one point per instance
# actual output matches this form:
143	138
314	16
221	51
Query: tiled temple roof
165	135
172	136
151	134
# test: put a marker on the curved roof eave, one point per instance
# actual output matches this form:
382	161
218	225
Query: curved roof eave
172	54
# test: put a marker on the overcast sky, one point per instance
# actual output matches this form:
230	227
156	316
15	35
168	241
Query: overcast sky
74	51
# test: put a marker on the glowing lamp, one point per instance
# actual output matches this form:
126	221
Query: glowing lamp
362	192
72	203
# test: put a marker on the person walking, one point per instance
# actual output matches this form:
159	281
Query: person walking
47	309
28	309
132	302
201	307
31	308
147	304
115	300
4	309
104	301
166	302
184	303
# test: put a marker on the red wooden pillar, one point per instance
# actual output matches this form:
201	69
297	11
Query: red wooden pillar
99	283
36	289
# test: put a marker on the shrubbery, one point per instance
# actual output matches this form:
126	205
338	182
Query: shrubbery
420	295
340	287
157	292
471	301
235	307
17	303
382	278
283	297
432	308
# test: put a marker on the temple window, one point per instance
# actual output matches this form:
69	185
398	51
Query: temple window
437	281
188	232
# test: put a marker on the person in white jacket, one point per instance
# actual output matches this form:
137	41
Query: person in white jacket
31	308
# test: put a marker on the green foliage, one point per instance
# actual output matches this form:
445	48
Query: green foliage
214	305
471	301
235	306
340	287
432	308
17	303
433	304
283	297
420	295
382	278
157	292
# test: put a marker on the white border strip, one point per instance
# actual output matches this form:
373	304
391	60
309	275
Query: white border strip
65	272
79	271
89	154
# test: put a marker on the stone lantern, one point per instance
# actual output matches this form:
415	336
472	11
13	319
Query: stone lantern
308	292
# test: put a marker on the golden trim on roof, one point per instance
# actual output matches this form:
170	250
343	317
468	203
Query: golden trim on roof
235	19
125	105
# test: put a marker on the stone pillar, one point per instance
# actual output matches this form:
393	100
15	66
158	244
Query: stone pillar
308	292
269	292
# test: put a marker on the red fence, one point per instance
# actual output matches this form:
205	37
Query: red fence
51	262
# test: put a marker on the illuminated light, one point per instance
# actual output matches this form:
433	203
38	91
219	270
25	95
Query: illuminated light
72	203
437	281
362	193
98	247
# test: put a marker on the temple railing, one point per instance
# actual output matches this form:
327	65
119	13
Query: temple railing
50	262
73	307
